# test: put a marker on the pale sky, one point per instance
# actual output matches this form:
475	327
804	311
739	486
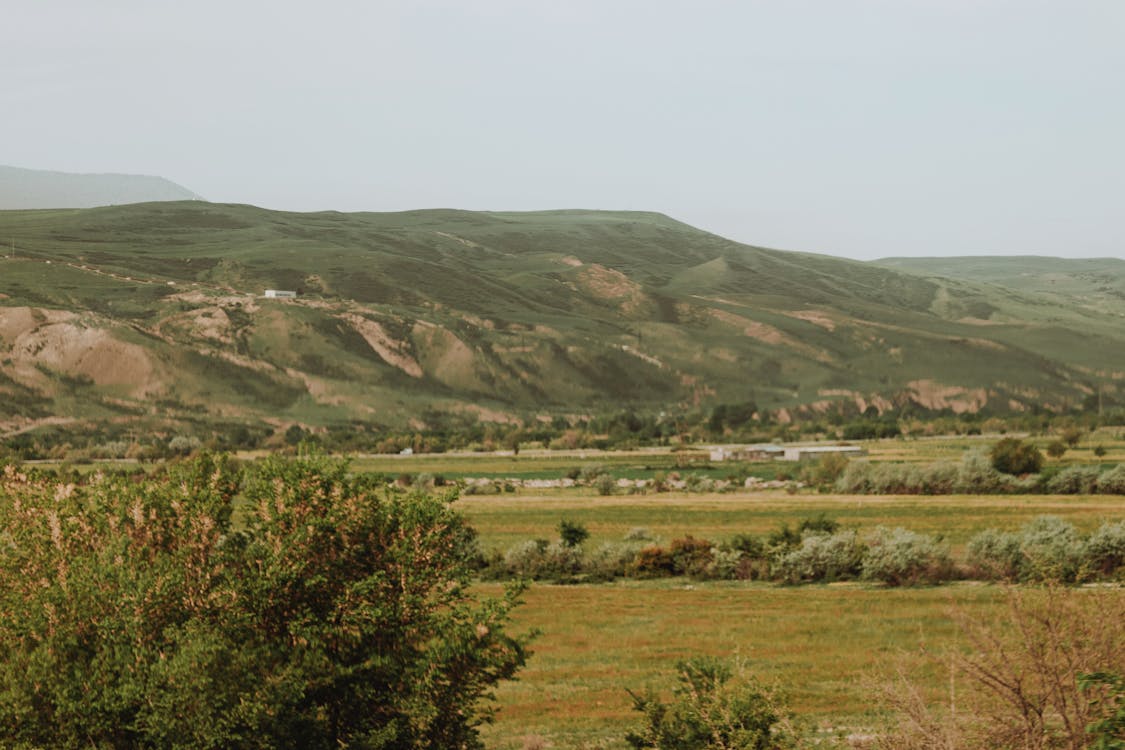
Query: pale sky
863	128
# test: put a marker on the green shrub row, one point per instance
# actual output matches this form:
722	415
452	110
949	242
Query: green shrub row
974	475
819	551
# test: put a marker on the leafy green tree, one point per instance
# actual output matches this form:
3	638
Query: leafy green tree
1056	448
712	707
572	533
335	614
1014	456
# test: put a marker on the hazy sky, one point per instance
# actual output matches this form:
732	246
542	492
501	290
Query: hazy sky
866	128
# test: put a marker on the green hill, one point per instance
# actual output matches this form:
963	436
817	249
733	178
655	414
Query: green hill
157	311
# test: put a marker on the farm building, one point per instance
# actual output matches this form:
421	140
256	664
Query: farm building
280	294
806	452
757	452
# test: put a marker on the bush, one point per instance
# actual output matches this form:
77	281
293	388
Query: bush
605	484
610	560
652	562
1052	550
1014	456
1074	480
1105	549
898	557
996	555
337	614
977	474
691	556
821	557
1112	482
712	707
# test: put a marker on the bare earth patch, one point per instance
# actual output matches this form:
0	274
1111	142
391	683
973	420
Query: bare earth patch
391	350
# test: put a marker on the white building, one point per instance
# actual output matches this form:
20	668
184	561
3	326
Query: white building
280	294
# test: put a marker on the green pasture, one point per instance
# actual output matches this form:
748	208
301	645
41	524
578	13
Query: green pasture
828	646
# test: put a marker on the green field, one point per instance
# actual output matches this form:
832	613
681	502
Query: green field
823	643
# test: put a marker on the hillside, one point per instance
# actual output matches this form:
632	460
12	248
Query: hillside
1095	283
414	318
34	188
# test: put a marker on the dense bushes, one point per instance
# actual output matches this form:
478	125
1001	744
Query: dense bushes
818	551
973	475
1048	549
334	613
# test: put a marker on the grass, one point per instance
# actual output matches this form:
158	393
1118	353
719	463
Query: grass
821	643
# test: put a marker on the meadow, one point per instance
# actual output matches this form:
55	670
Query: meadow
828	645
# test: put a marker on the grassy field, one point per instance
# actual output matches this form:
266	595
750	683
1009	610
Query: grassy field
826	644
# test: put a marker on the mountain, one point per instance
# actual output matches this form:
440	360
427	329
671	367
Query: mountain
33	188
407	319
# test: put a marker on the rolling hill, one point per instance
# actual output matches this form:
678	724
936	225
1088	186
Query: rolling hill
34	188
157	311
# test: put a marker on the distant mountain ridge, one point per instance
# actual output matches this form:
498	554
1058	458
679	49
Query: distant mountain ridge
34	188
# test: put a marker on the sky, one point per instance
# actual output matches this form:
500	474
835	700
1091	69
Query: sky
859	128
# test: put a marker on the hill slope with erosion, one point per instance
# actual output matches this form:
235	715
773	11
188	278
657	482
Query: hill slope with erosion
156	310
36	188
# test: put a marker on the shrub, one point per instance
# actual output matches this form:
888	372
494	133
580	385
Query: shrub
337	614
605	484
821	557
978	475
898	557
652	562
996	555
1056	449
1014	456
1112	482
1052	550
1105	549
610	560
855	479
538	559
1074	480
690	556
712	707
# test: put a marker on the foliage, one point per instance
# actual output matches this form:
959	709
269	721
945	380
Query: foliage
1105	549
1033	679
1074	480
821	557
1014	456
898	557
572	534
138	616
712	707
1108	732
1112	482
